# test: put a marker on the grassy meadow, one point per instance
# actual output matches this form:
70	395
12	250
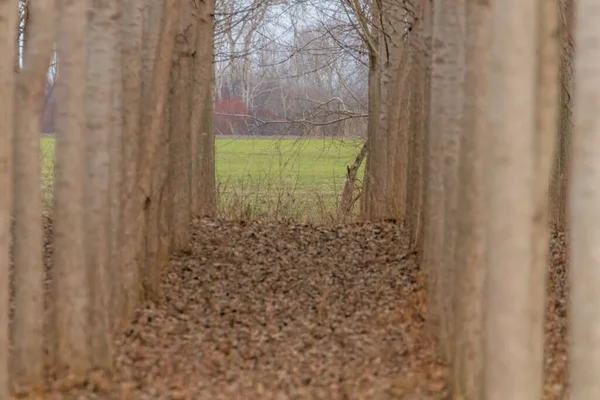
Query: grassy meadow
262	178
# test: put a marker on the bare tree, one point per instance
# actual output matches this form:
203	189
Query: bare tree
28	325
8	44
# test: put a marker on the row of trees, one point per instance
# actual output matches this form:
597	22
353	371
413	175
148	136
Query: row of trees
486	118
134	161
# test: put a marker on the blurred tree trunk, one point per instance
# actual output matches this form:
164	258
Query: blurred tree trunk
420	78
584	213
27	356
548	100
395	109
154	156
116	168
180	125
560	175
70	281
131	64
511	175
446	118
204	192
467	366
374	193
8	45
99	112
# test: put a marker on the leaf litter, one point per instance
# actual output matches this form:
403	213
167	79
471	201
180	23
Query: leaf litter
267	310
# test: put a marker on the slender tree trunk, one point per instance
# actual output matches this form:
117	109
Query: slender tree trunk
154	127
446	117
203	139
470	241
374	180
8	46
548	99
70	281
561	173
419	126
99	112
511	177
131	64
117	172
583	208
181	139
27	356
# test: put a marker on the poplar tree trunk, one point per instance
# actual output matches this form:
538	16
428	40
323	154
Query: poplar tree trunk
204	192
8	46
27	356
584	212
470	241
447	101
70	279
131	64
180	163
99	112
510	370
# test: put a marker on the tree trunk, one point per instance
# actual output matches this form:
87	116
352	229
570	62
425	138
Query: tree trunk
347	200
561	174
116	169
27	356
470	241
373	199
70	281
548	100
583	208
149	187
203	140
446	117
180	144
511	175
131	64
420	76
8	46
99	112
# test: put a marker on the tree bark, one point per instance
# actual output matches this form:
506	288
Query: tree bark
511	175
70	281
99	112
467	363
583	208
180	125
562	161
27	356
149	187
548	100
8	46
131	64
204	192
446	117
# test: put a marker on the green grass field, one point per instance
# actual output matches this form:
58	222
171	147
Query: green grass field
290	179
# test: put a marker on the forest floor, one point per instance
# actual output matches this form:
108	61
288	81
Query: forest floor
287	311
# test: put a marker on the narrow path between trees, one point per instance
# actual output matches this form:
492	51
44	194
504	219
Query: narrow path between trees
277	311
